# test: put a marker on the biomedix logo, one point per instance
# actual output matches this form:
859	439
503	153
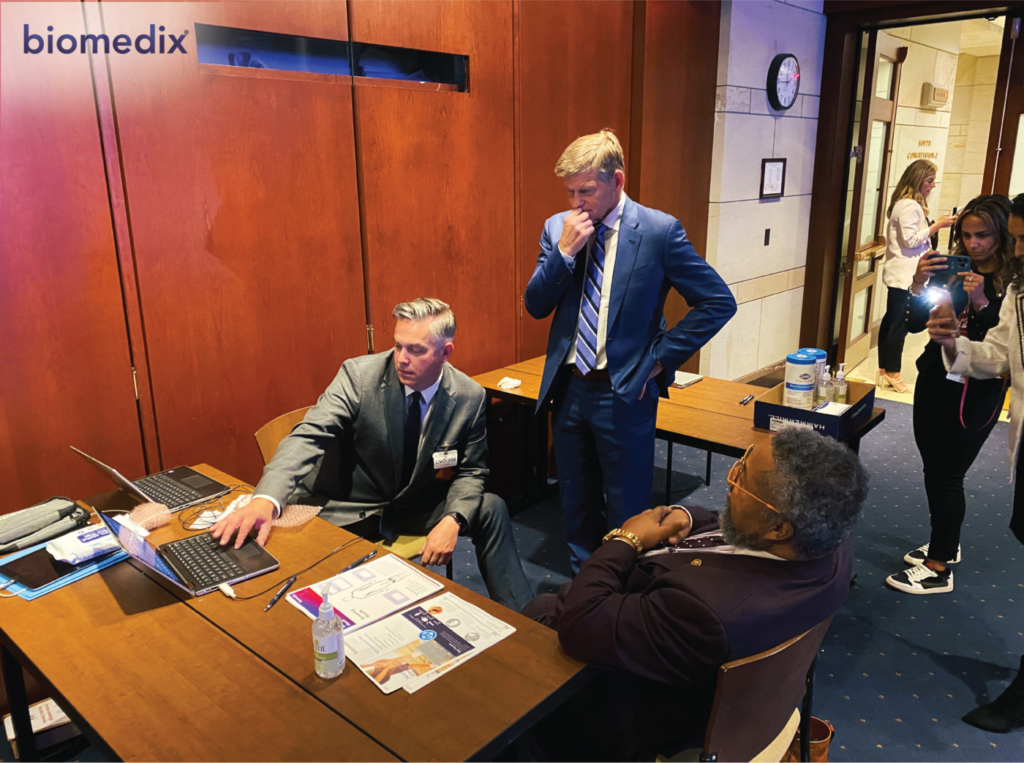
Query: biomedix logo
122	43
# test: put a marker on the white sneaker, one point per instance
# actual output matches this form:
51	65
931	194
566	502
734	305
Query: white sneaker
921	579
918	555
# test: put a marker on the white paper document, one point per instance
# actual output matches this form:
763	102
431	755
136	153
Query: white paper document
369	592
413	648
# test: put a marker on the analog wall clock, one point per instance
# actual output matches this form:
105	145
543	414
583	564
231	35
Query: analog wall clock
783	81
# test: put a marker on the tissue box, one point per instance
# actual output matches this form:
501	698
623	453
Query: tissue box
771	414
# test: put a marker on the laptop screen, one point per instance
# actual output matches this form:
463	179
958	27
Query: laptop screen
139	549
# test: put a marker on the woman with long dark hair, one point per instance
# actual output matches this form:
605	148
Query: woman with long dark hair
907	238
999	354
953	415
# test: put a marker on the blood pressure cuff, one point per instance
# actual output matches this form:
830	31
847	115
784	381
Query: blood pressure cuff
53	517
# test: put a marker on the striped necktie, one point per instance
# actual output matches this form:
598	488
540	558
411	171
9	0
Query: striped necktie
590	309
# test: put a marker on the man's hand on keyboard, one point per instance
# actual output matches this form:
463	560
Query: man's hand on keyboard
258	513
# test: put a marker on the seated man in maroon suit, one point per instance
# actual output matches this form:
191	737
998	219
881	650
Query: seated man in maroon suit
677	591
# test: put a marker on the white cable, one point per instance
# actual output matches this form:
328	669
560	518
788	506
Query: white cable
227	591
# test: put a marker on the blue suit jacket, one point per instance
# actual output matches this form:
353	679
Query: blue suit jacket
652	255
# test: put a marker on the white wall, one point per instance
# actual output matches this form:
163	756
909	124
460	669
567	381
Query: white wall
969	125
766	280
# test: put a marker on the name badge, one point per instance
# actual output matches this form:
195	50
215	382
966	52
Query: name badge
956	378
446	458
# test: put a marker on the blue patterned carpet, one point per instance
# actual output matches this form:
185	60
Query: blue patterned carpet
896	671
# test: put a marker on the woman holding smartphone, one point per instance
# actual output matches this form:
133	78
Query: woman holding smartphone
953	415
907	237
999	354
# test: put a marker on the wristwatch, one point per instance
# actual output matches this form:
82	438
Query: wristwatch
461	520
627	536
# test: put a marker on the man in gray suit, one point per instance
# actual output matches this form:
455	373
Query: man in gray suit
368	452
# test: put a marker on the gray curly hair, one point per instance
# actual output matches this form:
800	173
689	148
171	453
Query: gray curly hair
818	485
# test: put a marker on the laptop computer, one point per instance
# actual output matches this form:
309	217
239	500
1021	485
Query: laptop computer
197	564
176	488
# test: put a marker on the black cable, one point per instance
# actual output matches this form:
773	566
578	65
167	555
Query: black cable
281	582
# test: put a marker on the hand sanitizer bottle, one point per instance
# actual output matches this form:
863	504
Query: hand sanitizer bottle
825	387
328	640
841	387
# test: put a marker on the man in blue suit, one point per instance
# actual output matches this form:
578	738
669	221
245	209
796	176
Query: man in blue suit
605	268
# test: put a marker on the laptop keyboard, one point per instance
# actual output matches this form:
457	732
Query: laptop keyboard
202	556
165	490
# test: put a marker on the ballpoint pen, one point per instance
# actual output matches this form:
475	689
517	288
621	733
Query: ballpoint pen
357	562
746	400
279	594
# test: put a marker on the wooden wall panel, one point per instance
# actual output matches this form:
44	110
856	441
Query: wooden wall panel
241	195
65	375
567	85
437	175
680	72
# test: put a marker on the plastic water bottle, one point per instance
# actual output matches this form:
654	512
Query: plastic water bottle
328	640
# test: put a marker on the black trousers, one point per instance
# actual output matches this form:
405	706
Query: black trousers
948	448
893	331
1017	520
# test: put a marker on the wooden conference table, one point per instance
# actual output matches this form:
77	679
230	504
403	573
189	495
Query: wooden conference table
706	415
148	673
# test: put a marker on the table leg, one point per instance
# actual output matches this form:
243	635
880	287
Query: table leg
529	484
668	474
707	474
14	683
854	444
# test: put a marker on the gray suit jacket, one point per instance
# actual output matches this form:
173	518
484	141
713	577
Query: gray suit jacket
346	454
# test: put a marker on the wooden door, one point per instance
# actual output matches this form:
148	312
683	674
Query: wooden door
872	140
241	194
1004	164
567	85
436	167
66	373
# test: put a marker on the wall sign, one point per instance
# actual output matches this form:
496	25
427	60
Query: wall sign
773	178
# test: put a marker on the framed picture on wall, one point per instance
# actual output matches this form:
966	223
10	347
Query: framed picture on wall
773	178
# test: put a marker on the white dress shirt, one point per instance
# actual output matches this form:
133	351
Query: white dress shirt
611	242
907	237
425	408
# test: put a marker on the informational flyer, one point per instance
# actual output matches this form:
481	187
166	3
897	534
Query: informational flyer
369	592
410	649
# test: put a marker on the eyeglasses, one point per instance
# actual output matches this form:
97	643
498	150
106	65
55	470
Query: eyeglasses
738	469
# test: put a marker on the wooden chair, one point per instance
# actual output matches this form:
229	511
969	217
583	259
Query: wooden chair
269	436
760	700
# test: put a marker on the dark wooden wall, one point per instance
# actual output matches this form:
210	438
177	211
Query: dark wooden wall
65	364
678	121
567	85
229	233
241	196
437	171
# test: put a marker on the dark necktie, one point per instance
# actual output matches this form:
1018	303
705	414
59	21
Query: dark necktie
411	444
590	308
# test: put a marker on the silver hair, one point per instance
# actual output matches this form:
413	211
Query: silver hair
442	326
818	485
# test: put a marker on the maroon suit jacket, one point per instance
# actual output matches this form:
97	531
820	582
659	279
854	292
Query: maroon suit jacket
665	624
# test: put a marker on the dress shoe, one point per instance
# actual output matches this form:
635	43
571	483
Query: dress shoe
1006	712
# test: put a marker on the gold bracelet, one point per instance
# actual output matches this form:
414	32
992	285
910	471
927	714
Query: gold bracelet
627	536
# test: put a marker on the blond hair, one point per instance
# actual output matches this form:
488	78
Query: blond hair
600	153
442	327
910	184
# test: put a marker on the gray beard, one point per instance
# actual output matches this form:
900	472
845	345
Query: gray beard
734	537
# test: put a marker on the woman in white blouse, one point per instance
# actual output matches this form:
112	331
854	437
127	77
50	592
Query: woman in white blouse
907	237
